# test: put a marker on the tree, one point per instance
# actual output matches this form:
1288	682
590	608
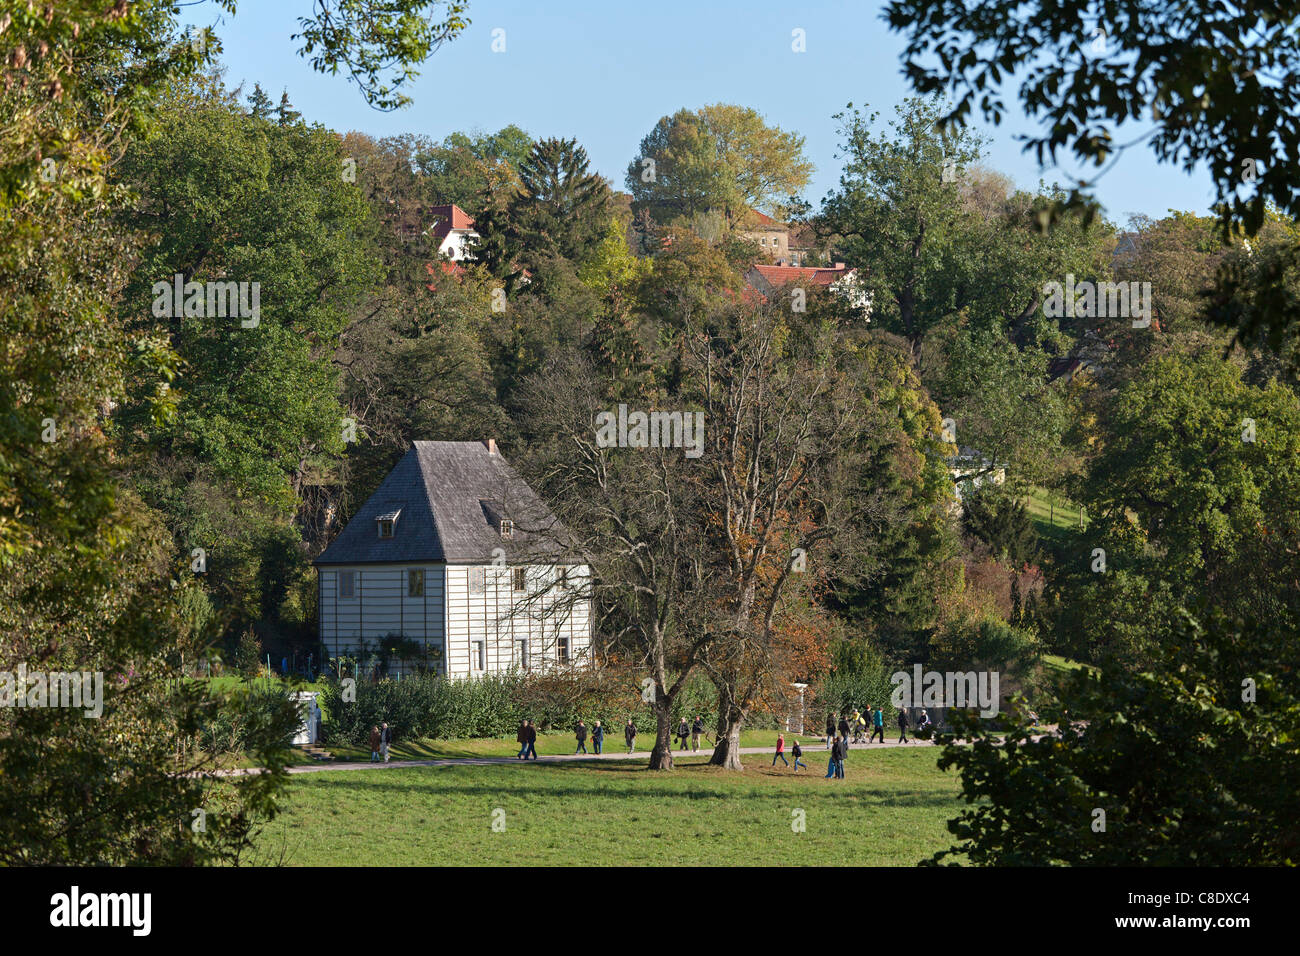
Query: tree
86	566
1188	495
562	208
463	169
720	158
1192	762
1218	84
895	212
1003	523
378	44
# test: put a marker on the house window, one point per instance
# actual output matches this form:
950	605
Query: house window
564	578
520	578
415	583
507	528
346	584
563	646
480	656
521	651
477	580
385	529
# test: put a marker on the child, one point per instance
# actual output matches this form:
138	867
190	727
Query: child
796	751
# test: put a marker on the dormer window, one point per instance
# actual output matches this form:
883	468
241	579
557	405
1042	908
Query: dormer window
507	528
387	523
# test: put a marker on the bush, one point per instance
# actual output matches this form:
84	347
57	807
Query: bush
425	705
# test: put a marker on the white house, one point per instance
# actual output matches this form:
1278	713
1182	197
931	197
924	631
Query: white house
452	232
457	561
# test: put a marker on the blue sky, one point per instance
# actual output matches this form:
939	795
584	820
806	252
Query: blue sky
604	72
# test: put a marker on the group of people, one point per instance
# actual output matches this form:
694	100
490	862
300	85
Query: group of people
527	738
379	742
855	724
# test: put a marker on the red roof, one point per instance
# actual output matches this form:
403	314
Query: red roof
780	275
449	217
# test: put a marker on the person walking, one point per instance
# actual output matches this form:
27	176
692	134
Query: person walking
385	738
597	736
922	724
374	745
833	765
521	738
629	734
830	730
697	728
878	719
902	727
683	732
531	735
796	752
581	733
780	750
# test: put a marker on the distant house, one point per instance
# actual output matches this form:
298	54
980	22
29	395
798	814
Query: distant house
452	232
970	469
455	562
773	237
767	279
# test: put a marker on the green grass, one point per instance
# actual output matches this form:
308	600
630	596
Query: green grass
890	810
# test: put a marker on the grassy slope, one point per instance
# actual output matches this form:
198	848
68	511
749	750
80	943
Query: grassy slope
891	810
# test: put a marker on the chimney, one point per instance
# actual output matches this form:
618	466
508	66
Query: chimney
491	445
839	265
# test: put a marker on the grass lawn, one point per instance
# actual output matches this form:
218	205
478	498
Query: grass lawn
890	810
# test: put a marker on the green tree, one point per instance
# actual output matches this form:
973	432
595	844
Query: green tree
719	158
1193	762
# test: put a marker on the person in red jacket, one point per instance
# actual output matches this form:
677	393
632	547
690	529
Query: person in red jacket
780	750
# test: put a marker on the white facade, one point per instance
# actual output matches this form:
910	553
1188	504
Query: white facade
455	245
468	620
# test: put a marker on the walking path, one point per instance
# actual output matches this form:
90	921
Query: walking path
615	754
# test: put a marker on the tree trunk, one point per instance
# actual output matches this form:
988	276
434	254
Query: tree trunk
661	757
727	752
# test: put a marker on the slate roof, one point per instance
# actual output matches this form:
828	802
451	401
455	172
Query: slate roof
452	495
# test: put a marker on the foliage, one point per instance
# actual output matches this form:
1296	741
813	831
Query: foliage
1193	762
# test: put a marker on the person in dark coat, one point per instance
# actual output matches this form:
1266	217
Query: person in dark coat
844	730
597	735
521	738
833	764
844	753
830	730
902	727
581	733
683	732
532	741
629	734
697	728
796	752
374	744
